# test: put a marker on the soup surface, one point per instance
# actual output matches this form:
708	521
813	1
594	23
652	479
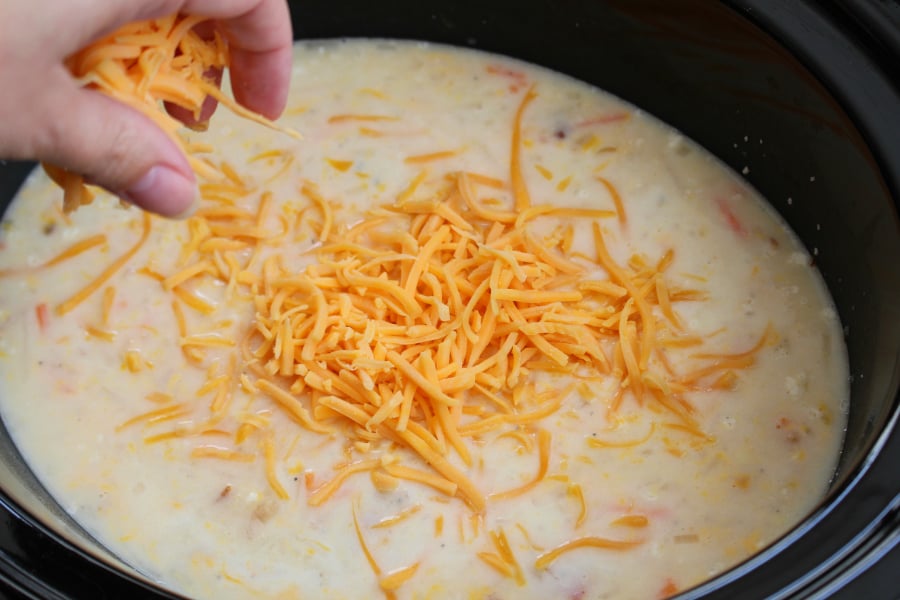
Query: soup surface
606	369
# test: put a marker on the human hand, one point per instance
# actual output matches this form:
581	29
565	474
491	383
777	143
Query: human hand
45	115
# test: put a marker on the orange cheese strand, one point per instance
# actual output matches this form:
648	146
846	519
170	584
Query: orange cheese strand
326	490
632	521
547	558
397	518
393	580
543	462
520	189
502	559
616	198
75	192
84	293
71	252
388	590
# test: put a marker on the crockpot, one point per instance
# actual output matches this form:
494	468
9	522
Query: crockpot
799	97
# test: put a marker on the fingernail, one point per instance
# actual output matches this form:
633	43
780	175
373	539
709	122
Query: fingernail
165	191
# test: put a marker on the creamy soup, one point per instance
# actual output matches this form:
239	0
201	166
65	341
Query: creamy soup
484	332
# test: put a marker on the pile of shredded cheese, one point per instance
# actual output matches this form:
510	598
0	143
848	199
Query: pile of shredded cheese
144	65
420	326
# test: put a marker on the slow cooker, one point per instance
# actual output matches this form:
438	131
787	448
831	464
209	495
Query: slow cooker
801	97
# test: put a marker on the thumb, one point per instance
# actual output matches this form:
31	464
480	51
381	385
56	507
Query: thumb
116	147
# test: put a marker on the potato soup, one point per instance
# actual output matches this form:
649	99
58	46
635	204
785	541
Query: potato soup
484	332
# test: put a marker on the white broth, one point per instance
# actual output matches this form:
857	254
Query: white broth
138	407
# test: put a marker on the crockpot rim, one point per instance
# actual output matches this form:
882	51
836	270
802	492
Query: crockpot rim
27	582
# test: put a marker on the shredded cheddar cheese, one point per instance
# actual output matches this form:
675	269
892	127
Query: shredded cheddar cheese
547	558
72	251
503	560
144	64
394	579
84	293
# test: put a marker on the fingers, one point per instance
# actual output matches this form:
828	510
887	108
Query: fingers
114	147
261	41
206	110
260	82
258	31
261	44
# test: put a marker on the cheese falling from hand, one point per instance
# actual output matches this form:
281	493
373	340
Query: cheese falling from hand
144	65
